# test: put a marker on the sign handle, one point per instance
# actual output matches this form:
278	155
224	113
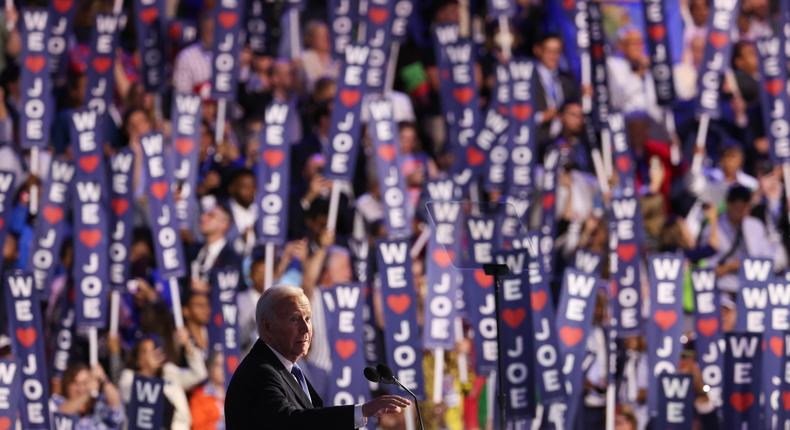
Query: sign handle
269	266
438	375
175	296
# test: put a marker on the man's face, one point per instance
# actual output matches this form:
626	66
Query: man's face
258	275
282	75
291	330
321	39
214	221
747	61
737	211
699	11
572	118
549	53
731	161
207	31
339	268
244	190
199	309
633	46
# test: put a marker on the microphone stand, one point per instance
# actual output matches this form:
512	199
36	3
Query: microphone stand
497	270
416	402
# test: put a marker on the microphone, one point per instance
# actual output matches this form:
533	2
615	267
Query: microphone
385	376
372	375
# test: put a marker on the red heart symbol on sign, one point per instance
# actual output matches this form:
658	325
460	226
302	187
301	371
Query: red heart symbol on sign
232	363
777	344
522	112
741	401
89	163
570	336
538	299
90	238
399	303
26	336
442	258
119	206
378	15
774	87
623	163
102	64
626	251
183	145
514	317
52	214
218	319
159	190
708	326
273	157
149	15
597	51
548	200
718	39
2	223
786	400
483	280
5	423
657	32
463	95
665	318
569	4
35	63
474	157
349	97
227	19
386	152
345	347
62	5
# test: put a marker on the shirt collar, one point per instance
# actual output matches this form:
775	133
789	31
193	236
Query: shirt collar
216	247
288	364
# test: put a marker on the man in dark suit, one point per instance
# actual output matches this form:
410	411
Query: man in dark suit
269	390
217	252
553	89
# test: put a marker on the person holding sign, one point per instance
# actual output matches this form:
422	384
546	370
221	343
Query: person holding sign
269	389
148	360
88	394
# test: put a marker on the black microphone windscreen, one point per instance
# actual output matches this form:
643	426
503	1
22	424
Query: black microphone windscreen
384	371
372	375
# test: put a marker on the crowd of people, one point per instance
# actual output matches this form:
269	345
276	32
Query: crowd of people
734	207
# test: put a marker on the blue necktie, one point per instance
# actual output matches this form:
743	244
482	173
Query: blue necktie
297	372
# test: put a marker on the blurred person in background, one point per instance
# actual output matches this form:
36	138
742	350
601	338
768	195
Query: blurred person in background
88	394
207	402
147	359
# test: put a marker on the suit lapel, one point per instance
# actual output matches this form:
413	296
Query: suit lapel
289	379
297	389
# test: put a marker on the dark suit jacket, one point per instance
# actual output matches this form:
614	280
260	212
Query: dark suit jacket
263	395
570	91
226	258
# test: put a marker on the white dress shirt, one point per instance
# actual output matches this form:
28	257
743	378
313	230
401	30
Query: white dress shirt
206	258
244	218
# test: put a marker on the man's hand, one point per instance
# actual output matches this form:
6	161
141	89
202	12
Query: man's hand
384	405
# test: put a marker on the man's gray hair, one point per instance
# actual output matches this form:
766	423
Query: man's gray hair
266	307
